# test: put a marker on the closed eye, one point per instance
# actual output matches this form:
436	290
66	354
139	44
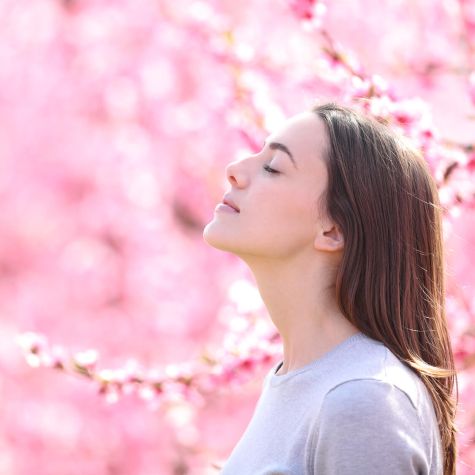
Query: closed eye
267	168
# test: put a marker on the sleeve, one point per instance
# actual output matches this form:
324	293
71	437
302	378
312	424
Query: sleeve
368	426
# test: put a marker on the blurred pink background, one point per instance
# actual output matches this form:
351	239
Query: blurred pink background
117	121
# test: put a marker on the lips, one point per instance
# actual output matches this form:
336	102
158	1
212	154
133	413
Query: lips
229	202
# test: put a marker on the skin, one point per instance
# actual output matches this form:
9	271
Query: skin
292	250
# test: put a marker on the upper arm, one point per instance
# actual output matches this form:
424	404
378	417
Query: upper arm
368	427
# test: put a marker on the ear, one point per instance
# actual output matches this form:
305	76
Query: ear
329	238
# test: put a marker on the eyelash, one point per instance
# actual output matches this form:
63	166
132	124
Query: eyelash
268	169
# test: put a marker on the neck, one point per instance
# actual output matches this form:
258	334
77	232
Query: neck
302	304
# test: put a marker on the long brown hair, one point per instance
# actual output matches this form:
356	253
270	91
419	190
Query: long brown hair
390	283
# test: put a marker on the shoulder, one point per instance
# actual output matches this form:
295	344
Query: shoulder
368	426
362	405
374	371
368	395
364	412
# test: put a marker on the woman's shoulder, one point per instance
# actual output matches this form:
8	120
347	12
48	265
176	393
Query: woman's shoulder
358	400
374	363
377	407
381	384
360	396
371	426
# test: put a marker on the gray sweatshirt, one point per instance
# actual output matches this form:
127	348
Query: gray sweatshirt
357	410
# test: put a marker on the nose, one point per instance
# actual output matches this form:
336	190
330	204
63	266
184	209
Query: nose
240	171
234	174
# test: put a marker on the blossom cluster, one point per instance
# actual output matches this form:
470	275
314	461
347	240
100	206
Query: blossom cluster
248	348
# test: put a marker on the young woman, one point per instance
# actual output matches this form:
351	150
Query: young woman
339	220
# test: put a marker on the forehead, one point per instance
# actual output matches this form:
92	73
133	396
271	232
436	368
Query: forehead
304	135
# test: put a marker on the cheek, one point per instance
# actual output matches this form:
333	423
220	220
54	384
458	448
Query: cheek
287	217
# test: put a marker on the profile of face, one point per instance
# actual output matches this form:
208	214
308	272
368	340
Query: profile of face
276	191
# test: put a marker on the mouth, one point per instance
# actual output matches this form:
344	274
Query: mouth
231	205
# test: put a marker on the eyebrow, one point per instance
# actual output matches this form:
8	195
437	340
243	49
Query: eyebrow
283	148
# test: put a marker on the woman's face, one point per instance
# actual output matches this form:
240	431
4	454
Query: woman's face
278	214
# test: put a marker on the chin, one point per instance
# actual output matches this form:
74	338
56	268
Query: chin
215	238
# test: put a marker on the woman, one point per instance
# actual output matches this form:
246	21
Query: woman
338	218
